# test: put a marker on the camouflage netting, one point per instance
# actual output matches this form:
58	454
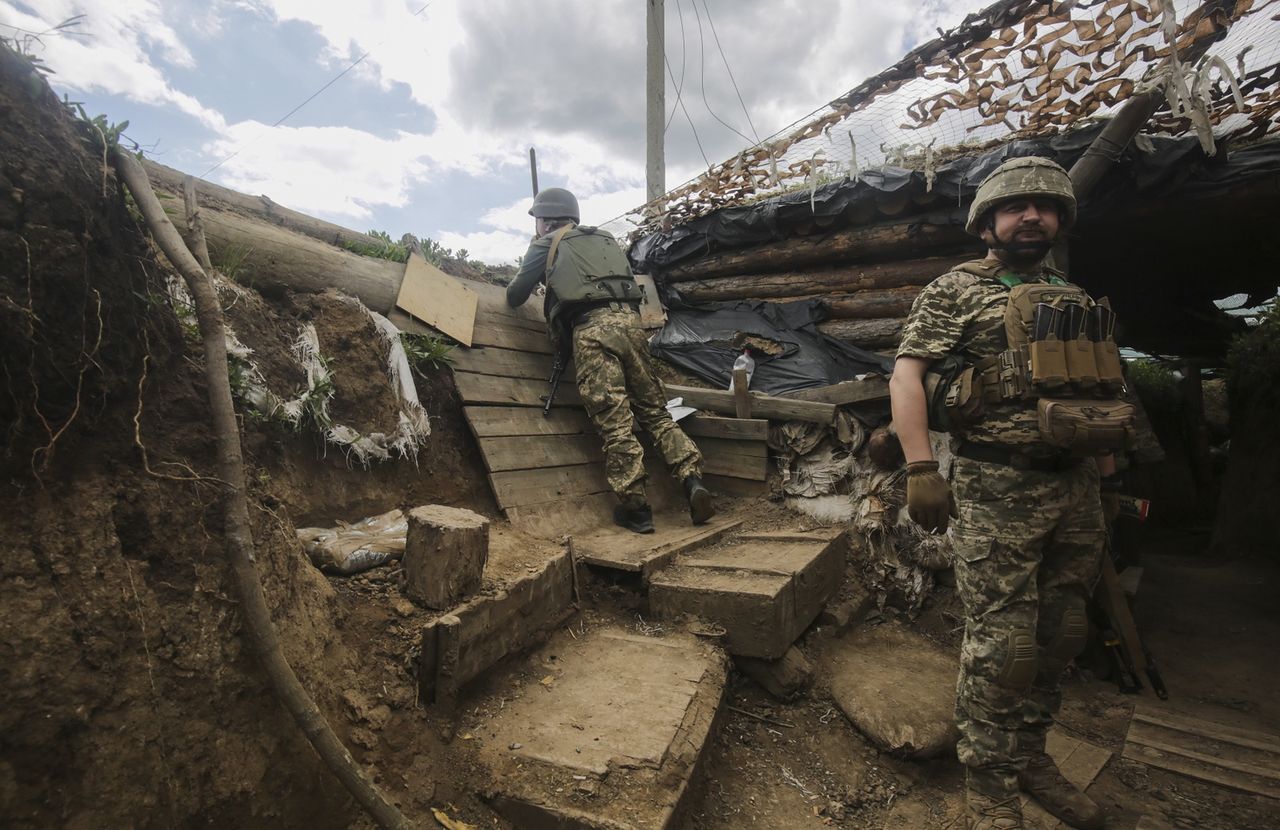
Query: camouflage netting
1017	69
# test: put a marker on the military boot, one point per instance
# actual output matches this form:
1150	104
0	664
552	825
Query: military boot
987	813
634	516
700	508
1044	782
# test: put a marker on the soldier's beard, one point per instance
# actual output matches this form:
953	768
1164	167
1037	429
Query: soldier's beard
1021	252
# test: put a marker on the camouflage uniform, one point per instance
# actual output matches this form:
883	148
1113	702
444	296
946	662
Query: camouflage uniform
615	378
1028	548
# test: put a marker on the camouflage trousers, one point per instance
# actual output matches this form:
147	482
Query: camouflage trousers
615	379
1028	551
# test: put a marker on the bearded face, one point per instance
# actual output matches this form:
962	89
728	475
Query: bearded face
1022	231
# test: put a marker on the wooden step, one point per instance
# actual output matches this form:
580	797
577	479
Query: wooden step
763	589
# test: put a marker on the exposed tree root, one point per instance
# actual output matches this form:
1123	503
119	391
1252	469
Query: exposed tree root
239	539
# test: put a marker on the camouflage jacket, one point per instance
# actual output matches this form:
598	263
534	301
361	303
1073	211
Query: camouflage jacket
963	314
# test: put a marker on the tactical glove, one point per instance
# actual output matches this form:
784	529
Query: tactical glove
929	499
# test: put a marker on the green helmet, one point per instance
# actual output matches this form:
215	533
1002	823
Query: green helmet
1021	178
555	203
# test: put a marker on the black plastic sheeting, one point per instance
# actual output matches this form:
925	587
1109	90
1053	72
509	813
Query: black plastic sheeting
1177	166
700	338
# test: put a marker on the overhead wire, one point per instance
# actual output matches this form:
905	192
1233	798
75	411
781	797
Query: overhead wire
308	99
679	86
728	69
702	72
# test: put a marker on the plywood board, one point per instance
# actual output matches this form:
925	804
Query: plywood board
496	421
501	391
437	299
523	452
519	488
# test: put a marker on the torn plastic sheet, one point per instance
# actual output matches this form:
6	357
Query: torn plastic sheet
789	351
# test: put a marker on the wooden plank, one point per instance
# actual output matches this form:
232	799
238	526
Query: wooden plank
725	446
736	466
744	487
741	394
437	299
496	421
518	488
506	337
1147	739
490	389
505	363
1214	731
710	426
1235	781
613	547
553	519
652	314
762	405
511	319
872	388
522	452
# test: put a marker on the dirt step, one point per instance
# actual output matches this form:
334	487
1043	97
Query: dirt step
763	589
608	732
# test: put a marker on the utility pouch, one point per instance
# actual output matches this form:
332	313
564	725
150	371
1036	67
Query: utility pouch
1086	427
938	381
1046	351
1081	368
963	402
1102	324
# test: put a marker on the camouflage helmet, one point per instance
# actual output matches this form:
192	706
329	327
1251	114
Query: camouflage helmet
555	203
1021	178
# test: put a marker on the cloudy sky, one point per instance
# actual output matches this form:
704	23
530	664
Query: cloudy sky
429	133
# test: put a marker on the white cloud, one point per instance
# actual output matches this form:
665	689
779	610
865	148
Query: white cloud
109	51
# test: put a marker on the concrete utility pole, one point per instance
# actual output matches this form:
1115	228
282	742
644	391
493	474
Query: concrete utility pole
656	94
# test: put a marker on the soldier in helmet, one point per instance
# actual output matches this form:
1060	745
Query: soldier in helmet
1031	392
592	303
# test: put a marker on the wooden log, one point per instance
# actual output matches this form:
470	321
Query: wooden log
868	241
762	405
865	333
256	207
845	279
861	305
267	256
445	550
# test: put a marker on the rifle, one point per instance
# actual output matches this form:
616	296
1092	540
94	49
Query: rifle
557	370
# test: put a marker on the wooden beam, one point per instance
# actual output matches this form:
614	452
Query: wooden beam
510	363
729	446
764	406
741	394
872	388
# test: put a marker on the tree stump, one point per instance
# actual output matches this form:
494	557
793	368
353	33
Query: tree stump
444	554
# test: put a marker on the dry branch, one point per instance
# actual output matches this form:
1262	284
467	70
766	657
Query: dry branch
239	538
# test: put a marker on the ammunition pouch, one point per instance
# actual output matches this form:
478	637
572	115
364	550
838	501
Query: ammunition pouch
1086	427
